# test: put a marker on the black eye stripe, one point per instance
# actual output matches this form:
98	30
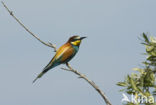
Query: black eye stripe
75	40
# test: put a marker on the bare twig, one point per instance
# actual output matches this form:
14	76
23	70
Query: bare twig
67	64
11	13
89	81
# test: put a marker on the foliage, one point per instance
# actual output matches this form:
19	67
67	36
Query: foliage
142	83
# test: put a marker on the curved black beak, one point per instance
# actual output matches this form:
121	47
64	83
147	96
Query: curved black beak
82	38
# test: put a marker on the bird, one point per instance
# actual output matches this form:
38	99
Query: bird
63	55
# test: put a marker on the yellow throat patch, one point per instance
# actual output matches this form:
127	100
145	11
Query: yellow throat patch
76	43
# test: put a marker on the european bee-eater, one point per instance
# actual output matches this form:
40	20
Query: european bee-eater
64	54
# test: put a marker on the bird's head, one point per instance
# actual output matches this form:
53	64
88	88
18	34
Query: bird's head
75	40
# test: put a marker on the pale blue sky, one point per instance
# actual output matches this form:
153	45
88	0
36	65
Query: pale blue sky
109	53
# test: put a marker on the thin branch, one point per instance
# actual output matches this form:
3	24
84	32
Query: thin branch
67	64
89	81
11	13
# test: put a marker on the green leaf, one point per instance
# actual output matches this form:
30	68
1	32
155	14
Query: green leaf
149	48
122	84
133	83
153	39
145	37
149	79
151	58
139	70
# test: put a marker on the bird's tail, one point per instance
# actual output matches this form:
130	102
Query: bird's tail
47	68
40	75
